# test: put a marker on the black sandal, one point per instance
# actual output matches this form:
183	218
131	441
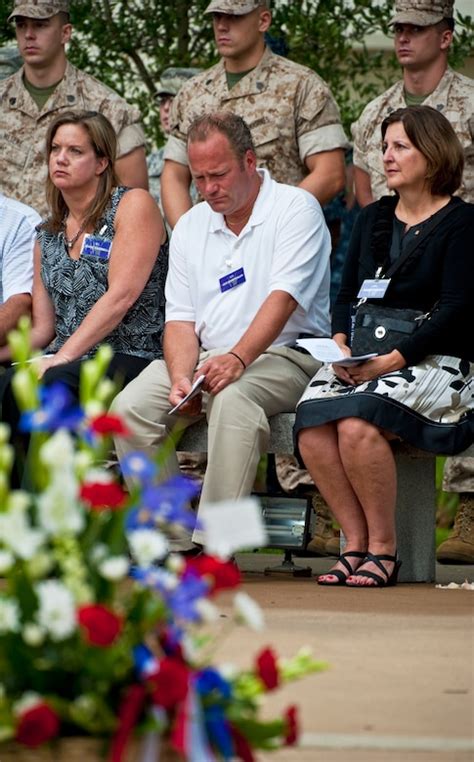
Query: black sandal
388	580
341	577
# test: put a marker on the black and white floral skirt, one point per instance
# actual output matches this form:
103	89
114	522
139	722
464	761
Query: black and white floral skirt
430	405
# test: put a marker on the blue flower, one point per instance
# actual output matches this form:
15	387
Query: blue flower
180	599
167	502
184	598
209	680
138	466
58	410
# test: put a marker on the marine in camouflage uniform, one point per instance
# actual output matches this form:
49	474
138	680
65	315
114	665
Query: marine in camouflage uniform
289	109
23	126
454	97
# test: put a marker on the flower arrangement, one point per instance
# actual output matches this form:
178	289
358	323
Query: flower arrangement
104	632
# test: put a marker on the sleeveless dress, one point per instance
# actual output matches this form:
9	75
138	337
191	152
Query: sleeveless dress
74	286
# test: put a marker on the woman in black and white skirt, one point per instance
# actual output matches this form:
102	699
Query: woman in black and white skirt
422	391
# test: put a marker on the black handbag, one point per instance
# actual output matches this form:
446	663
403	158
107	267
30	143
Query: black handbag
376	328
379	329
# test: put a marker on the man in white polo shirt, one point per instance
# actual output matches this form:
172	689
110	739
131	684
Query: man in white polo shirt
249	273
17	237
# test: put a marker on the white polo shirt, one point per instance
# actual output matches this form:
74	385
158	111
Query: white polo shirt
17	239
285	246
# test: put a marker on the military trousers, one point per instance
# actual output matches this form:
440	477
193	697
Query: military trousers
237	417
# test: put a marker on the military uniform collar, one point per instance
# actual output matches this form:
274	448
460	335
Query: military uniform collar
253	83
64	95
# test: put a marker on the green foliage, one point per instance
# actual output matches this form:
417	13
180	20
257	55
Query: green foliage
127	43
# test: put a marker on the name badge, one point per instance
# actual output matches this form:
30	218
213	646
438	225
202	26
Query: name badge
232	280
373	288
95	247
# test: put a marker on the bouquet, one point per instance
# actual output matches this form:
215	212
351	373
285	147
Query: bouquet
104	632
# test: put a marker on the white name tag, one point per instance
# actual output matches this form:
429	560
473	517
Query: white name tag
373	288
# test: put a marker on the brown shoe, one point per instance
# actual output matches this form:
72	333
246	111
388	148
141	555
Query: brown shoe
325	541
459	547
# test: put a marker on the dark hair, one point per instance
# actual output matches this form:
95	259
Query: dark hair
446	23
104	142
231	125
432	134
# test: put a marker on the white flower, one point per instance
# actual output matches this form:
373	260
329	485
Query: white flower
99	476
114	568
147	545
16	533
9	616
33	634
56	612
6	561
249	611
27	701
58	511
58	451
207	611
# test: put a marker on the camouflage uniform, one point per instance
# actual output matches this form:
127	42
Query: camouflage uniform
23	128
454	97
289	109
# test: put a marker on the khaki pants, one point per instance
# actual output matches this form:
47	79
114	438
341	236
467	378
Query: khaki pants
238	429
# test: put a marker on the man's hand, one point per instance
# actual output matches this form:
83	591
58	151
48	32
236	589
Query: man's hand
220	371
178	391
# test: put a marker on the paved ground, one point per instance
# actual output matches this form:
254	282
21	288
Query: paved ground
401	678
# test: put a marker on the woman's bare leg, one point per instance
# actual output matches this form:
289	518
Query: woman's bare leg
369	463
319	449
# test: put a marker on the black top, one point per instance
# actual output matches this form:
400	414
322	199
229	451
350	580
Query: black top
439	274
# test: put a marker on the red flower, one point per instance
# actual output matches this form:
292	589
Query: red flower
242	748
37	725
292	731
223	574
267	669
169	685
100	495
101	627
109	424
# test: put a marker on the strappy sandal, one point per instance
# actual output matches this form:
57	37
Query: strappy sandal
341	576
388	580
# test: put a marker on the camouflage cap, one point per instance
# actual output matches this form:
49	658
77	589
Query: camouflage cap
173	78
38	9
235	7
422	12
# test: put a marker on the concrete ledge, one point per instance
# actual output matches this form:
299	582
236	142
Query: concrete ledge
416	495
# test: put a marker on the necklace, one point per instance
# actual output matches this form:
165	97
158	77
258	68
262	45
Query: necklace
71	241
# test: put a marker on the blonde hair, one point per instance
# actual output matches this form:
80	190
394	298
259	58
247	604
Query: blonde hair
104	143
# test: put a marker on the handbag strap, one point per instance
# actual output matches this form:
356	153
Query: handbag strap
425	231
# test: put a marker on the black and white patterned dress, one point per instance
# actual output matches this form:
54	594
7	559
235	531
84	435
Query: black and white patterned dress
74	286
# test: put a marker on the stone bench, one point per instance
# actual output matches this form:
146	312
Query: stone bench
416	497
